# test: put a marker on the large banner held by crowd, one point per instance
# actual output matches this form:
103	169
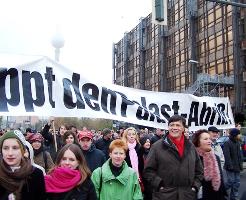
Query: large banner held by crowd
38	86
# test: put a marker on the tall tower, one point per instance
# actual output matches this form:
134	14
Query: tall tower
57	42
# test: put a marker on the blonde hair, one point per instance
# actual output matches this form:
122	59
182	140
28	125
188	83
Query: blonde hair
124	136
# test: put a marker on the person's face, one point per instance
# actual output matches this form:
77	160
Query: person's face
176	129
74	130
62	130
238	127
85	143
131	136
69	160
186	133
147	144
118	156
205	142
11	152
108	136
70	139
214	135
159	132
36	145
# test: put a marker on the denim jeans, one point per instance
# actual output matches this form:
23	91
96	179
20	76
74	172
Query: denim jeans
233	184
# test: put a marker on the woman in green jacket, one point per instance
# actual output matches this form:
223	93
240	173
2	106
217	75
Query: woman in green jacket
115	180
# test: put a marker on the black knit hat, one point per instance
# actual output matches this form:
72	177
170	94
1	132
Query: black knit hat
234	132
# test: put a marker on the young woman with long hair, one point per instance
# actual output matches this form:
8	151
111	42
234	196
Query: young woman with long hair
70	178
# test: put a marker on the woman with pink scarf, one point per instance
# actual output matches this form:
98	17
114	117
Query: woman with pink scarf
133	158
212	184
70	178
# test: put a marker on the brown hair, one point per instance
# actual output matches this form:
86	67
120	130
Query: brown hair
67	133
197	136
83	168
118	143
124	136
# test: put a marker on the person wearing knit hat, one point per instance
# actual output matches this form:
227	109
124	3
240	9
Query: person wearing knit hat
18	178
233	162
17	135
41	156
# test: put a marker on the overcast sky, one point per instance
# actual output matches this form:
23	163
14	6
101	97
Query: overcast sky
89	28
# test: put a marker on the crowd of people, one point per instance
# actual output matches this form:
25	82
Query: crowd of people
127	164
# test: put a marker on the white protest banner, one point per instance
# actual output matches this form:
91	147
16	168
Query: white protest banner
38	86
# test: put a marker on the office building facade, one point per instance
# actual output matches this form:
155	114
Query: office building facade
201	51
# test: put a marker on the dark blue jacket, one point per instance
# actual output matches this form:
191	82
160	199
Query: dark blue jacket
94	157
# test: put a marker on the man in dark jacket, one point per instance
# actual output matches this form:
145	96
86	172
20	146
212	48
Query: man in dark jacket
104	142
94	157
158	135
173	167
233	162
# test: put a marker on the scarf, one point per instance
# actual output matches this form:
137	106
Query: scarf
133	156
62	179
13	181
179	143
211	168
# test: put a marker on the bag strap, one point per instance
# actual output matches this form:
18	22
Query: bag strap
45	161
100	186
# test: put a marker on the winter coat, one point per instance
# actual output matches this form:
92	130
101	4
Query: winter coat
86	191
44	160
103	145
208	192
155	138
175	176
140	160
123	187
233	156
50	143
94	157
33	189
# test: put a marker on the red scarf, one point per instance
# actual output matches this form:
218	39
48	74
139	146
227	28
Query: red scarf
179	143
62	180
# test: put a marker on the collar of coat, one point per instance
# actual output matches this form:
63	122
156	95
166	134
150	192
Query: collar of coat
107	175
169	144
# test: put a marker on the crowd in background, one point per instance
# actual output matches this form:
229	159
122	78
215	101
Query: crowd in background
126	164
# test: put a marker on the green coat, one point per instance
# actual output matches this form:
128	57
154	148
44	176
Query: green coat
123	187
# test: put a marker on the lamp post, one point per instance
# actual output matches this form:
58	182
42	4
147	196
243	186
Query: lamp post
57	42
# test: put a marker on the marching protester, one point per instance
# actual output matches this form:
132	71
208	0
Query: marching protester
70	137
158	135
19	180
94	157
133	159
70	178
104	142
41	156
143	153
53	141
173	167
29	153
233	162
214	135
115	180
212	184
